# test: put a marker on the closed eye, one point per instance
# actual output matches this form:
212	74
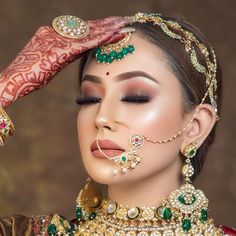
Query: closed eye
131	99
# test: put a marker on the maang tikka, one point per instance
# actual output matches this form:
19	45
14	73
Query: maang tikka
127	160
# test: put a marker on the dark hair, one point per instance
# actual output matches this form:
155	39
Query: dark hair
192	82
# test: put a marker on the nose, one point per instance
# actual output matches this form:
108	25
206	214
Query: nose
106	114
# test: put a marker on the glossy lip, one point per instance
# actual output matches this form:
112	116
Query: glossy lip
105	144
111	153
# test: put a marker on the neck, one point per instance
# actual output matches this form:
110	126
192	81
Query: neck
148	191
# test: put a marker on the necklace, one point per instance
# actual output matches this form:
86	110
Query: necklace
184	212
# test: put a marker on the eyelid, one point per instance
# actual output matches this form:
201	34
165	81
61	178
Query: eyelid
131	98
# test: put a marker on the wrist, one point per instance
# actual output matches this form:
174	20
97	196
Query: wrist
6	126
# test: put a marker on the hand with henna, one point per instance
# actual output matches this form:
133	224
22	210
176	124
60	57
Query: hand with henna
47	53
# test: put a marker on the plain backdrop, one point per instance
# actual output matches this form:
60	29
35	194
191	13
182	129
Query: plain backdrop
41	170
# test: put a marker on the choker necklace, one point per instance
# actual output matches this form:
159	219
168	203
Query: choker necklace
184	212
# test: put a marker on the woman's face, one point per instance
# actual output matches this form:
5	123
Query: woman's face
144	73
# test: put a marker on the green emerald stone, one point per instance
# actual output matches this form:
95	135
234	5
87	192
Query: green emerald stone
100	58
52	229
79	213
131	48
72	23
109	59
119	55
167	214
92	215
192	153
98	51
186	224
183	198
113	54
204	215
125	51
123	158
104	57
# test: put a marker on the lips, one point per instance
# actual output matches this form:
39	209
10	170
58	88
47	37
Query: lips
106	144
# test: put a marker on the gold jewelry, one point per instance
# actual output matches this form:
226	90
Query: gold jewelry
116	51
70	26
184	212
189	152
6	126
129	159
176	31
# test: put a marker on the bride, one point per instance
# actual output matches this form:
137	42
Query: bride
150	103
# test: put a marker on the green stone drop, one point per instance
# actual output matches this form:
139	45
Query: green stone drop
72	23
131	48
99	57
104	57
98	51
186	224
92	215
113	54
167	214
123	158
119	55
52	229
109	59
125	51
79	213
204	215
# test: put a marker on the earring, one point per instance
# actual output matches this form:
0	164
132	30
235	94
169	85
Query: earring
130	159
189	152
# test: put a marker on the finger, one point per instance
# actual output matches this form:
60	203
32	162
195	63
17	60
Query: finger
102	29
112	22
107	19
115	38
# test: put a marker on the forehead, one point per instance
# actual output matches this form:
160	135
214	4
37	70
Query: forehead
146	57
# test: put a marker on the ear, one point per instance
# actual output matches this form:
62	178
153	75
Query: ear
200	127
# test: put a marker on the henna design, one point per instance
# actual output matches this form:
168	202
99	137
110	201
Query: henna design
47	53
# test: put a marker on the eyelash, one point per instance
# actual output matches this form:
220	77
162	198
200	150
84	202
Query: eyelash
132	99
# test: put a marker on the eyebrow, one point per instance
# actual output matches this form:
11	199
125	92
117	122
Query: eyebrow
120	77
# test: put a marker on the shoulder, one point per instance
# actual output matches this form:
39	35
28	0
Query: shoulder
24	225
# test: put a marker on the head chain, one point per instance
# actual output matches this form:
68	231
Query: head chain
188	40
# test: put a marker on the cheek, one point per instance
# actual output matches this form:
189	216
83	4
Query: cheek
84	122
159	120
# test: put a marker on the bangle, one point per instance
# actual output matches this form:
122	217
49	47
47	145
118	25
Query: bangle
6	126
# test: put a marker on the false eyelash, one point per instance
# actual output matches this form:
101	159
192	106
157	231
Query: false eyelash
134	99
87	100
